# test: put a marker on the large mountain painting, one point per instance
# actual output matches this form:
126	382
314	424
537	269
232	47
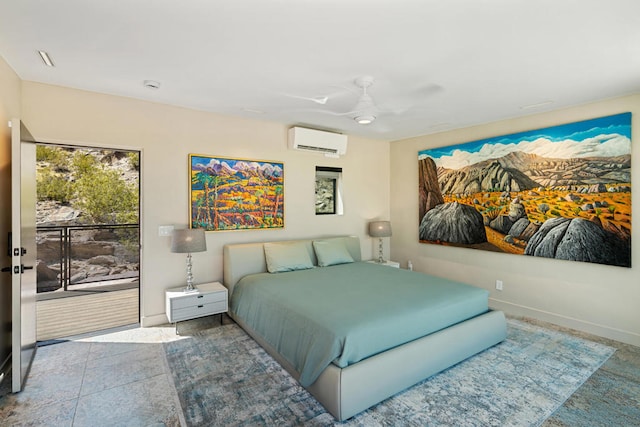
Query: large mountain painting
562	192
235	194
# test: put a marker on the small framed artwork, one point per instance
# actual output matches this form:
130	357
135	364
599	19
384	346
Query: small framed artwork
328	190
235	194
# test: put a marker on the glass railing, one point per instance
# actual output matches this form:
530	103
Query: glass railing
78	255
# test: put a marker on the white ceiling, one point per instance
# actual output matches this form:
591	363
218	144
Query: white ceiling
437	65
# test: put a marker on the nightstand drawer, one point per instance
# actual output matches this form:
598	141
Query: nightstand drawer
198	299
209	299
200	310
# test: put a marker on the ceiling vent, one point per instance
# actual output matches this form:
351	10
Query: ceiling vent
317	141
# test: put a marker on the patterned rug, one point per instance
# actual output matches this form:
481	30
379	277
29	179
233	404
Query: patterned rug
223	377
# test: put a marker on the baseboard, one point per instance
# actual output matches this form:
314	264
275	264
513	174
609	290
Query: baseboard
155	320
568	322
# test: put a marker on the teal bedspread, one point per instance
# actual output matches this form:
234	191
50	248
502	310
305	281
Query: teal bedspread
346	313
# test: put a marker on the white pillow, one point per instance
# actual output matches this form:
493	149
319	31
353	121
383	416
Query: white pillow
283	257
331	252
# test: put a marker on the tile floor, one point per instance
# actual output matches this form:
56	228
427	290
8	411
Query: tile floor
118	378
121	378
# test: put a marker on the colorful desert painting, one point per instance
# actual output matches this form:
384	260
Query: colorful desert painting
562	192
235	194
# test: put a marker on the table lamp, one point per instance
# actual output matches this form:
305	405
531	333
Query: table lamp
188	241
380	229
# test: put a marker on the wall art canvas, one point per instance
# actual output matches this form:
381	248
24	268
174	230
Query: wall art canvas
235	194
326	195
562	192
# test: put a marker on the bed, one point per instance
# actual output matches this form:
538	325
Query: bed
341	327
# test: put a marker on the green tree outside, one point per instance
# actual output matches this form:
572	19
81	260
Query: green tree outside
100	193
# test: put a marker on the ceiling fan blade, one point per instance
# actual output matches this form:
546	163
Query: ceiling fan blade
424	93
317	99
344	90
416	99
327	96
333	113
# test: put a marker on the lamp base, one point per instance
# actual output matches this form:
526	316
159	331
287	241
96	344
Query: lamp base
381	260
189	288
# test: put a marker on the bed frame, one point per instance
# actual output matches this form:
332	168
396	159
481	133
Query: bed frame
345	392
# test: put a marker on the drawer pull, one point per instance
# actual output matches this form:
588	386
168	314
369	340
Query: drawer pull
200	296
200	306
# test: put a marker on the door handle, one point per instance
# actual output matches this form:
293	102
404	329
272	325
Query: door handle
16	269
19	251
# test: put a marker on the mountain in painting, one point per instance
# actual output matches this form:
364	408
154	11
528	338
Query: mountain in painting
519	171
247	169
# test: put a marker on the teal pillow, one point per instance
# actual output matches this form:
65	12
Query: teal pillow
331	252
283	257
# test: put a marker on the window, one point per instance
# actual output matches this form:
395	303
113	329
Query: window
328	191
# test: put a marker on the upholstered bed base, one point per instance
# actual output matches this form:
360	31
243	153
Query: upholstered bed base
345	392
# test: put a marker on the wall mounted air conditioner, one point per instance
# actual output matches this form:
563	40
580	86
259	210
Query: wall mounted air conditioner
328	143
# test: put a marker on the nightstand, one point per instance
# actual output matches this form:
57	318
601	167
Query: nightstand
210	299
387	263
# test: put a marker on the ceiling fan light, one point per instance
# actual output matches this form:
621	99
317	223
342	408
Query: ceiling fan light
365	120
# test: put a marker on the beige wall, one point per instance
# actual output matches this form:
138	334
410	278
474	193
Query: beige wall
9	108
166	135
594	298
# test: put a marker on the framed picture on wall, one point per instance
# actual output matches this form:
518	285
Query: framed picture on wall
326	195
328	190
235	194
561	192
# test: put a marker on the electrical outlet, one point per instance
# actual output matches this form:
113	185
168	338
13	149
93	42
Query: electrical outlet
499	285
165	230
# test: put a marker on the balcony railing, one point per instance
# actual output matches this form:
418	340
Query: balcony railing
79	254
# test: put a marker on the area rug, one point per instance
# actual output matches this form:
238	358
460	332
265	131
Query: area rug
223	377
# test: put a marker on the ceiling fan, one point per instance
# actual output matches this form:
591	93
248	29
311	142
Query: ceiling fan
366	111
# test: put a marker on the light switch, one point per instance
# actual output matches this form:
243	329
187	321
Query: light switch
165	230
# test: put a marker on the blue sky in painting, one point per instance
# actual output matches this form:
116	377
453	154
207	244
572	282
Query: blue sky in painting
602	137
